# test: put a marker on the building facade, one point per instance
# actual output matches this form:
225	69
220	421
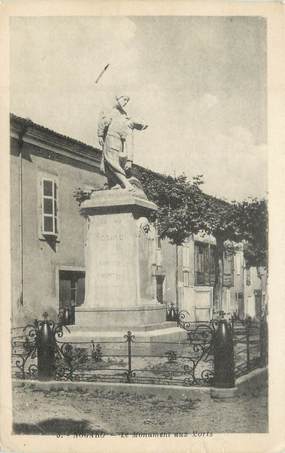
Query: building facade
47	231
48	236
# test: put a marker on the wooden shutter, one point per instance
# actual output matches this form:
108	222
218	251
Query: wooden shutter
80	289
64	289
49	206
212	253
206	259
200	263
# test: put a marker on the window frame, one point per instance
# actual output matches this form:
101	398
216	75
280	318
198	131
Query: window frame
53	215
207	262
186	278
157	247
229	277
70	269
42	215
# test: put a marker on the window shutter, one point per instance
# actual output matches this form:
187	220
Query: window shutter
206	264
228	266
233	269
212	265
49	208
80	290
64	291
186	279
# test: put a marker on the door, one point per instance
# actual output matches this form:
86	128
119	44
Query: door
71	292
159	288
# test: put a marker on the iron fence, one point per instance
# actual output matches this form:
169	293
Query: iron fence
250	345
203	354
24	352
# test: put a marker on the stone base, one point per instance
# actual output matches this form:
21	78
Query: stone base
223	393
119	319
148	340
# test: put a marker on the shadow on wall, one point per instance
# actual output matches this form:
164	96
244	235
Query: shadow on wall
56	426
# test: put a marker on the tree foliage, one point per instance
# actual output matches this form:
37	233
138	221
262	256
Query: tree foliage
251	218
180	203
184	209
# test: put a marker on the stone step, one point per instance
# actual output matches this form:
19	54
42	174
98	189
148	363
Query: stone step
145	341
78	330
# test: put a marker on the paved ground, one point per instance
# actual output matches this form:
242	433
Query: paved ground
54	412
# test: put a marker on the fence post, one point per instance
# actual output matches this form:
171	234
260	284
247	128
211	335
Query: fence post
247	335
45	349
223	356
129	338
263	338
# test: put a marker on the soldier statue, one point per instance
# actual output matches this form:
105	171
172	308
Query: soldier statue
114	128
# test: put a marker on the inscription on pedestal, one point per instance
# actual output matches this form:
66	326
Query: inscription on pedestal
119	261
113	277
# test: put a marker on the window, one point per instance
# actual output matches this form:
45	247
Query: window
49	207
158	258
204	264
186	280
201	274
212	264
159	288
71	287
228	276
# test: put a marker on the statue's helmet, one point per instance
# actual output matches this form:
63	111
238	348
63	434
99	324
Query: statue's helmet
125	96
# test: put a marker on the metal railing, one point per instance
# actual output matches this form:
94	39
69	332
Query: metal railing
250	345
205	354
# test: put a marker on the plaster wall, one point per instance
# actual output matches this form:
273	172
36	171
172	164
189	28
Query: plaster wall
41	257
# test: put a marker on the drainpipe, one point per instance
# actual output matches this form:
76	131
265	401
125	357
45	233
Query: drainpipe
21	135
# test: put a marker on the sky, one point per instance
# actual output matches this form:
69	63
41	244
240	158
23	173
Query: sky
198	82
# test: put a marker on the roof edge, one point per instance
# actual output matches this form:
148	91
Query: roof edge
64	139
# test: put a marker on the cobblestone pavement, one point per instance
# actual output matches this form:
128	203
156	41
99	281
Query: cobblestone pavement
41	412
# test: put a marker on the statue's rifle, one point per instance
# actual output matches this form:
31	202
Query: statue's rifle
101	73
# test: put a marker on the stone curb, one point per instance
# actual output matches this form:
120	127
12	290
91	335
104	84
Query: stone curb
244	384
163	391
222	393
252	380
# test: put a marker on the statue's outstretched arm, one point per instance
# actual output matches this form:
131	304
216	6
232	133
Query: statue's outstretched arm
133	124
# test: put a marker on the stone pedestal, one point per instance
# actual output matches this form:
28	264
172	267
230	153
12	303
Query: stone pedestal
119	260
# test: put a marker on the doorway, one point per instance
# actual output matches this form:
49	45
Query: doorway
71	293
